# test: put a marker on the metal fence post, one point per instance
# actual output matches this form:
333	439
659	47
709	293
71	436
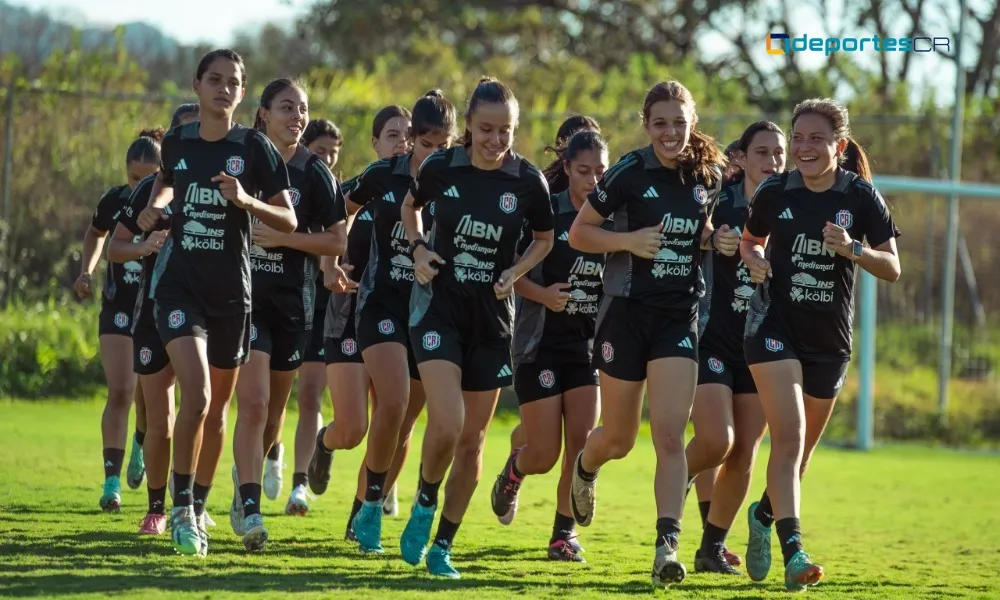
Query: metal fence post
866	361
8	152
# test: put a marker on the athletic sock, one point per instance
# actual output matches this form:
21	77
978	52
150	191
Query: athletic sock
140	437
113	458
511	470
250	492
713	538
789	536
355	509
299	479
703	509
182	489
764	512
200	497
428	492
562	529
273	452
668	532
375	482
445	533
157	500
584	474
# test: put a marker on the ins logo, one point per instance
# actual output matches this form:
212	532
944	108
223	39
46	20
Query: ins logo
508	203
844	219
235	165
547	378
607	352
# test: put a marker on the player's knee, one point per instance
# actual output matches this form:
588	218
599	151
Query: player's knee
786	445
470	448
718	444
741	457
541	461
618	446
354	432
120	395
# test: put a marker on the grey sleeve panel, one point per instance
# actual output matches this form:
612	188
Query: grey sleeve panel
618	271
421	295
528	329
367	283
338	311
707	270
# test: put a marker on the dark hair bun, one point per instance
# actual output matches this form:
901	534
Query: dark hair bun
155	133
435	93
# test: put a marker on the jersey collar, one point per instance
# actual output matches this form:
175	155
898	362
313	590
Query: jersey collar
300	157
402	165
840	183
511	165
562	203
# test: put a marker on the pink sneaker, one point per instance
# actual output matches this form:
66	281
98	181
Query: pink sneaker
153	524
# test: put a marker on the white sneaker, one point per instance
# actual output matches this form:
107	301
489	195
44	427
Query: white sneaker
272	475
236	508
391	506
255	536
201	522
298	502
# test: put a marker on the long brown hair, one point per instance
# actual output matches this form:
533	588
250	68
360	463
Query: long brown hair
854	157
702	157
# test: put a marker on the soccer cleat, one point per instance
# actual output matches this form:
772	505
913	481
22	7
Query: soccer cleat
136	472
391	506
416	534
319	466
200	522
208	519
576	546
800	572
583	496
298	502
758	547
505	492
254	533
349	534
563	550
273	475
111	499
367	527
667	570
236	508
713	562
153	524
184	531
439	563
731	557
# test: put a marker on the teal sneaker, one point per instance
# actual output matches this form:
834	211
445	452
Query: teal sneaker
800	572
758	547
439	563
184	531
413	542
111	499
136	472
367	527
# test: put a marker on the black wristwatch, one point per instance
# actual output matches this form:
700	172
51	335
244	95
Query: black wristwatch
417	242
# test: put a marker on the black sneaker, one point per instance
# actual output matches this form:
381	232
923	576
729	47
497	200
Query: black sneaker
563	550
504	495
713	562
319	466
349	534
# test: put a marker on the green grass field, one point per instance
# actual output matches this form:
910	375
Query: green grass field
899	522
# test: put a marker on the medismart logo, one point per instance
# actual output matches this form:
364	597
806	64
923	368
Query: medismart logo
782	43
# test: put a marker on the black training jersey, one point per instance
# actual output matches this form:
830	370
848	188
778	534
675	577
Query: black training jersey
566	336
723	308
319	204
640	192
811	293
359	238
207	257
129	220
121	281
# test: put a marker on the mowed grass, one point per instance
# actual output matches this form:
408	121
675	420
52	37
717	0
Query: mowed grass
899	522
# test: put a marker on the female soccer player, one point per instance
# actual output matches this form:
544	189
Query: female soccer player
284	275
553	346
811	221
728	421
323	139
462	311
118	300
184	114
349	380
383	309
661	198
212	171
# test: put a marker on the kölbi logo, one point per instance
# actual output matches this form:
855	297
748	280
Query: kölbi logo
782	43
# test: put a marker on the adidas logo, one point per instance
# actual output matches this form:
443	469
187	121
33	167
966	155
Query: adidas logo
181	166
109	464
564	237
686	343
248	502
786	214
451	192
390	198
365	216
294	357
505	372
651	193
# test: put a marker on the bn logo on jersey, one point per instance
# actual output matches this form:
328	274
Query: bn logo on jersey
145	355
235	165
547	378
295	195
700	194
386	327
844	219
175	319
716	365
508	203
348	347
607	352
121	320
431	340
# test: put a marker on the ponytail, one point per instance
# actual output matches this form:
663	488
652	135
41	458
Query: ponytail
855	159
702	158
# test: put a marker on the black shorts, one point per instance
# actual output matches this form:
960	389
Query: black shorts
149	355
631	334
735	375
376	324
114	320
314	348
485	366
822	376
228	336
543	379
278	338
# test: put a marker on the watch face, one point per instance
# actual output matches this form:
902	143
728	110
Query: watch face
858	248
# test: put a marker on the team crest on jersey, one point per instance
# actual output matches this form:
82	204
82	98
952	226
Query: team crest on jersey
145	355
386	327
175	319
295	195
844	219
547	378
700	194
430	208
773	345
432	340
235	165
253	332
348	347
607	352
121	320
716	365
508	202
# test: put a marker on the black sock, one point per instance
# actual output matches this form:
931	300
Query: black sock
713	538
375	482
445	533
250	492
584	475
157	500
764	512
428	492
703	509
299	479
319	442
562	529
273	452
355	508
511	468
182	489
200	496
113	458
140	437
789	536
668	531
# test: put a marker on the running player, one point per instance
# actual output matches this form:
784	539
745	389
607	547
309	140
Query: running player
283	280
661	198
553	346
350	383
212	171
323	139
462	310
728	421
383	309
117	302
811	221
